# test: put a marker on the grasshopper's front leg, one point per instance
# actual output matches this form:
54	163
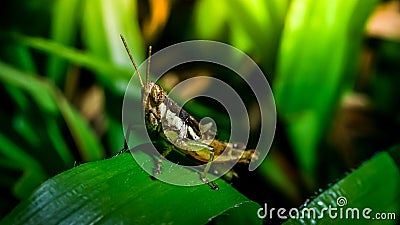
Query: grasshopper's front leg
195	146
126	147
157	170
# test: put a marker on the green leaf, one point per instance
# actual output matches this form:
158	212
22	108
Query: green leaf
88	144
116	15
49	98
58	141
33	172
103	22
63	31
318	52
117	76
38	89
373	185
210	18
117	190
94	29
257	34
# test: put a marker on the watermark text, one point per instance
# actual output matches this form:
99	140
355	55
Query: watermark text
339	212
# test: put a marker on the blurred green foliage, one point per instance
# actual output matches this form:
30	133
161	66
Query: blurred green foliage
316	67
53	54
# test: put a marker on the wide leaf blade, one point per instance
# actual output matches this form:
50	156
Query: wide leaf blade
117	190
375	185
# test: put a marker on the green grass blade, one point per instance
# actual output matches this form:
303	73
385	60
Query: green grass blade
258	34
210	18
25	128
88	144
62	31
58	142
20	57
38	89
117	190
115	15
319	46
102	24
117	76
373	185
50	99
93	29
33	173
17	155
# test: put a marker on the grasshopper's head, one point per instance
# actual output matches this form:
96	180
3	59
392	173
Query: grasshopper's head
152	96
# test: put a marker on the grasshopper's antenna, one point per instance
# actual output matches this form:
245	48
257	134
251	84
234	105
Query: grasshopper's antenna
148	65
133	61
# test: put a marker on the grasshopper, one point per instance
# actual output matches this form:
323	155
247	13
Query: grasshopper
165	119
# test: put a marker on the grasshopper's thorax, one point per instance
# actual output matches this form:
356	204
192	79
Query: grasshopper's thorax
161	110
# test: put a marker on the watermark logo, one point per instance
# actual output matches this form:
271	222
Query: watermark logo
341	201
223	55
340	212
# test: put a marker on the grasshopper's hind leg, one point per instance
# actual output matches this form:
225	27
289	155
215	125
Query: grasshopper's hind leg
157	170
203	176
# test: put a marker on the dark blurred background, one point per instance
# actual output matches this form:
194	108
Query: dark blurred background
334	67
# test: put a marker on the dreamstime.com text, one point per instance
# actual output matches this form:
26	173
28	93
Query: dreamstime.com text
340	212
